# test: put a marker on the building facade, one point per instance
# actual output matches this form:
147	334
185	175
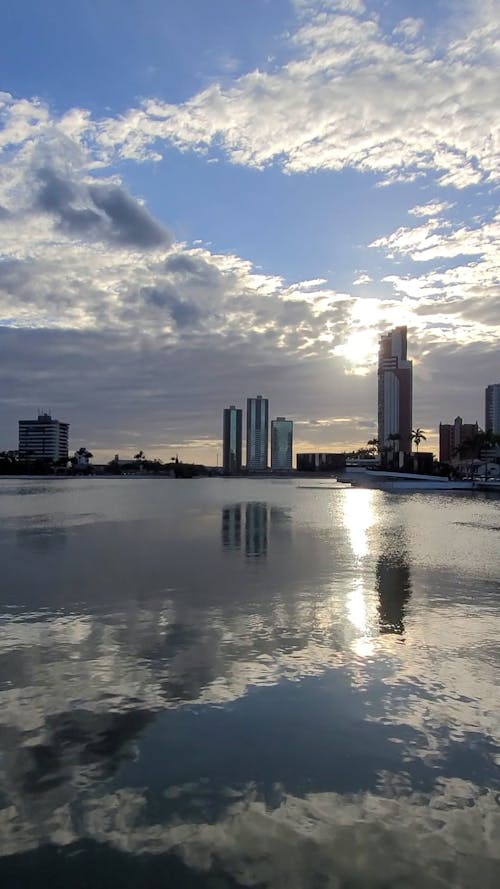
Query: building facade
257	433
492	409
231	439
43	439
395	397
313	462
281	444
452	437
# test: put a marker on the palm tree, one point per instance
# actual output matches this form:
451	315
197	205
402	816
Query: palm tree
373	445
418	435
140	457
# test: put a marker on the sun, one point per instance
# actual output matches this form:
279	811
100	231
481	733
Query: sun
359	350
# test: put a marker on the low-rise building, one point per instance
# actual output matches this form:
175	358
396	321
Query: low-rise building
43	439
316	462
452	437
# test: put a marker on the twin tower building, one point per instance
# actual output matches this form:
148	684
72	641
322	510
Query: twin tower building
257	439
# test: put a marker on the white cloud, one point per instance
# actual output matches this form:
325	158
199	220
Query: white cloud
437	239
349	96
409	28
432	208
362	278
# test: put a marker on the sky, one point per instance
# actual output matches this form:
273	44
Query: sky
205	200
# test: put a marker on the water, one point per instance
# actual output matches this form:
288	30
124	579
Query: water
225	683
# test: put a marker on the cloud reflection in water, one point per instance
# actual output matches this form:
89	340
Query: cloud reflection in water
246	647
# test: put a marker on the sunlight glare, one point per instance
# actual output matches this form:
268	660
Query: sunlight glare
358	516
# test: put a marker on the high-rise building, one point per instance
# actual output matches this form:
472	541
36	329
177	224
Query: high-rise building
43	438
232	437
257	433
492	409
452	436
281	444
395	396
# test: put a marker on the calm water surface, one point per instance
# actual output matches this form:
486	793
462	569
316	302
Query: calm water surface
225	683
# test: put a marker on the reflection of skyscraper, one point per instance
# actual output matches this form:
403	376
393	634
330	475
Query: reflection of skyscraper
232	435
231	526
256	529
281	444
42	538
394	394
257	433
393	582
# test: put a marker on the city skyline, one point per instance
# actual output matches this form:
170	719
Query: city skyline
276	442
243	197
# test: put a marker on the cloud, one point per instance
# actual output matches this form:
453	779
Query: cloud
409	28
183	312
100	211
348	95
434	239
362	278
432	208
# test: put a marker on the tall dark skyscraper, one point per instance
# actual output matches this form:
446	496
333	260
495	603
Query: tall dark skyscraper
492	408
395	395
257	433
232	438
281	444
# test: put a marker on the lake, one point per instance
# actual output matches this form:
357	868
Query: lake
226	683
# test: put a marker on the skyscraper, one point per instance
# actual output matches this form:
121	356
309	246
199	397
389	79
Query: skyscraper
281	444
43	438
492	409
394	396
232	437
257	433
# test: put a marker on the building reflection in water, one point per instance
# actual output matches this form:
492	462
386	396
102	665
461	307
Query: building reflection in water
231	526
392	572
393	584
256	529
41	538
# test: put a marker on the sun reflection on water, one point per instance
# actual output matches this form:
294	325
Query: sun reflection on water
358	516
356	606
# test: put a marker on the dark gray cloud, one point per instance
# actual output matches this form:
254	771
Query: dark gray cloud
14	274
99	211
183	312
193	270
122	391
130	222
